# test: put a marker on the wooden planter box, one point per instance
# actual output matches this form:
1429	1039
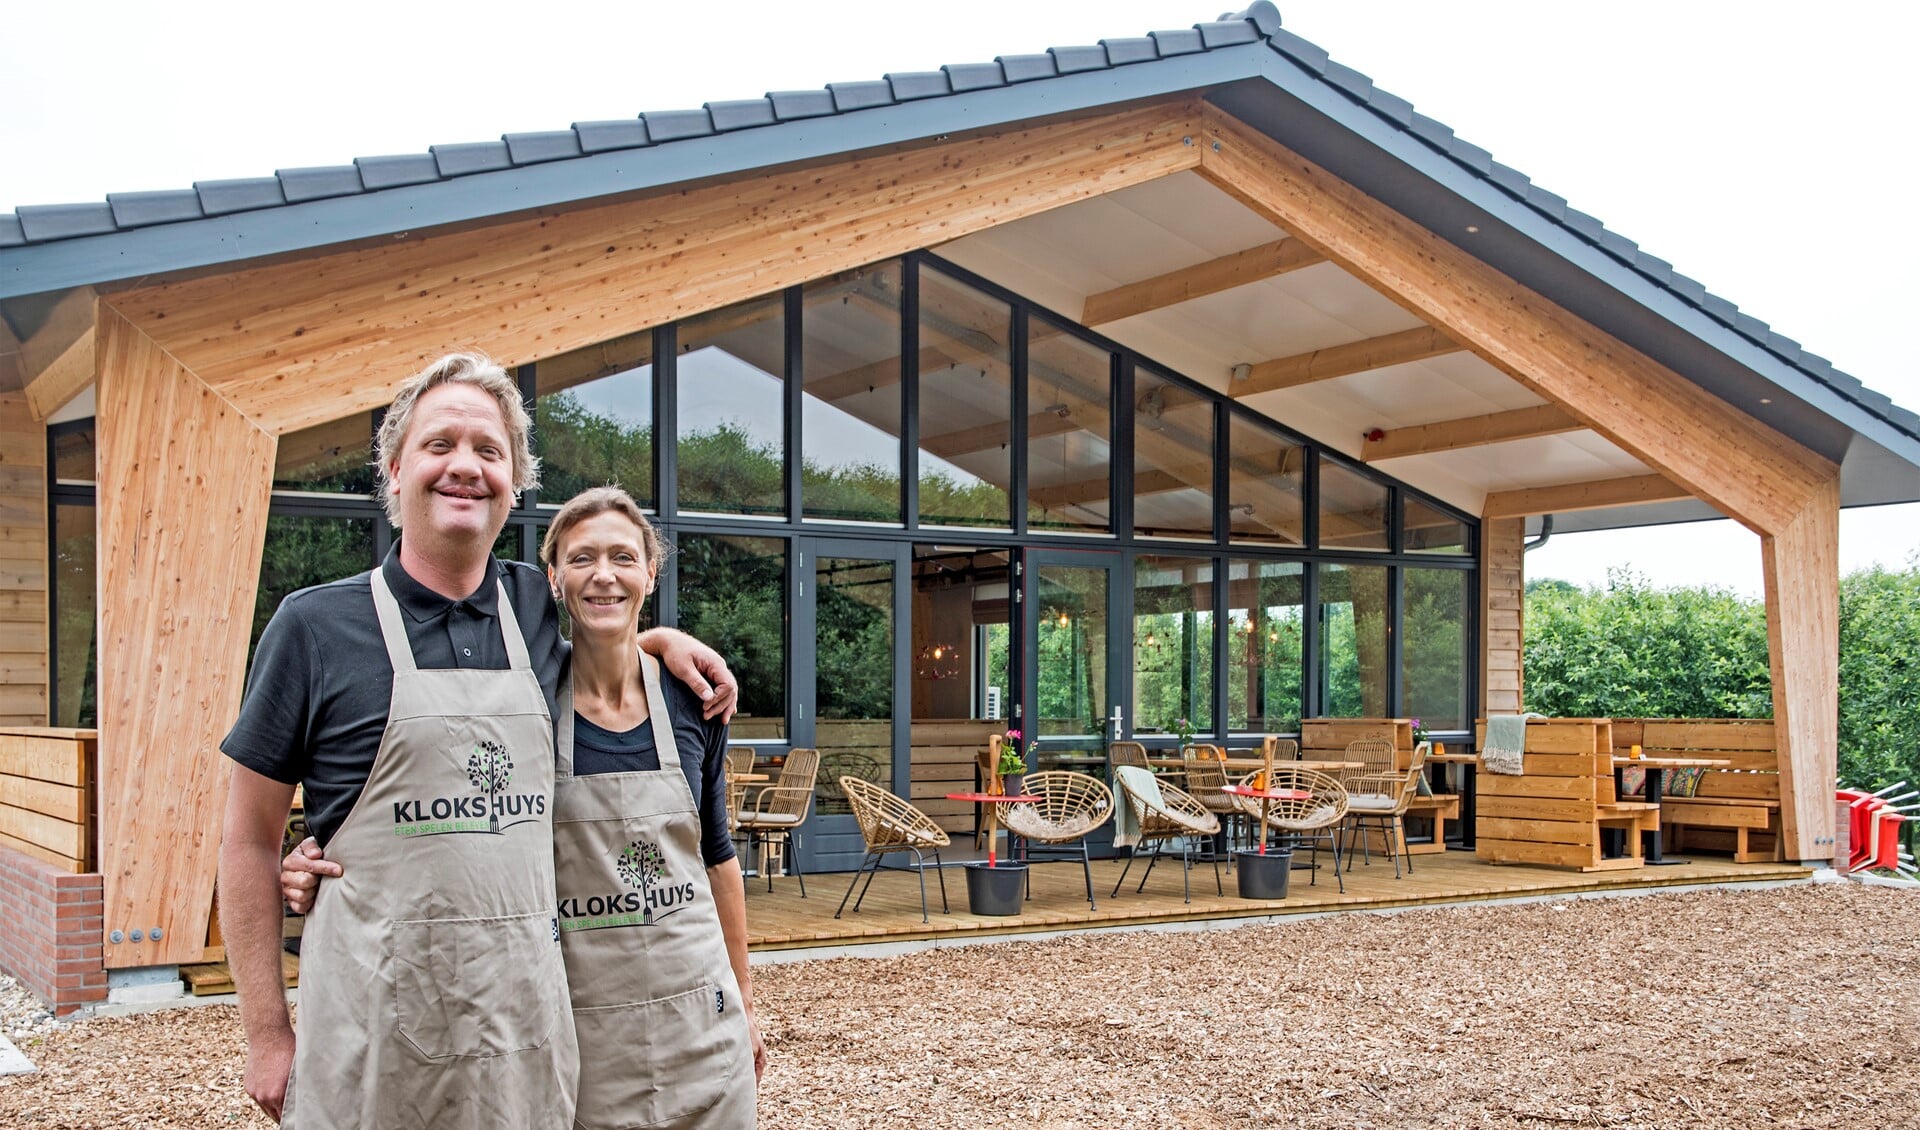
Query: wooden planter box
1553	812
47	795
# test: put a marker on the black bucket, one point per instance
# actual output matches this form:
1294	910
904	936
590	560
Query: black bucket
996	890
1263	876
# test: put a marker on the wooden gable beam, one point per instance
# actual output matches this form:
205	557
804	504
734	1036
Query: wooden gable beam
1744	468
57	361
1597	494
1417	344
1472	431
293	344
1269	260
1801	564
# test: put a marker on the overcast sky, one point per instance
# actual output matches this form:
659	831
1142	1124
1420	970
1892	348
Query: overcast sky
1763	148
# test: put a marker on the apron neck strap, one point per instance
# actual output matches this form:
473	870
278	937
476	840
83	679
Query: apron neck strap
563	728
517	658
392	630
657	717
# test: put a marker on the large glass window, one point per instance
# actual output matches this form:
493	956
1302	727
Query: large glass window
1429	529
1435	653
1266	613
1069	431
1071	650
1266	485
1172	459
1172	643
1353	509
74	456
593	419
850	370
732	410
302	551
332	458
966	405
75	641
1353	641
733	596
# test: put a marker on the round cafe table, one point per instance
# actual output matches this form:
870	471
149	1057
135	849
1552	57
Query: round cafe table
993	801
1265	797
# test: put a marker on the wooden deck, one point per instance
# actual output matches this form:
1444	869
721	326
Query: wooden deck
783	920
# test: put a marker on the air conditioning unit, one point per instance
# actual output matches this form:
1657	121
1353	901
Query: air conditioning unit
993	703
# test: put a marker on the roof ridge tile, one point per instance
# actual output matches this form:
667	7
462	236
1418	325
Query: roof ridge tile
542	145
673	125
466	157
615	133
397	170
1072	60
139	209
1133	49
318	182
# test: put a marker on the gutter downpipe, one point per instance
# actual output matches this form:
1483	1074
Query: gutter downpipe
1546	531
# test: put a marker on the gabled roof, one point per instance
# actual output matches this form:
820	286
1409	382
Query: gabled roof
1244	62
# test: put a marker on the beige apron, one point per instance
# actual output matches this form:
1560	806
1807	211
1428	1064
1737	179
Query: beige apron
432	989
663	1035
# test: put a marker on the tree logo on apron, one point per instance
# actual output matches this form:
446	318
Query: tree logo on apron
642	866
489	768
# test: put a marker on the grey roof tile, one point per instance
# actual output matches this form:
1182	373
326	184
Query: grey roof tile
1434	133
1782	344
1120	52
673	125
1584	224
1471	155
1026	68
1720	308
219	197
1552	204
11	233
471	157
912	85
974	76
544	145
42	222
1264	16
319	182
860	95
620	133
1750	326
1226	32
1179	41
1349	80
138	209
1511	179
1300	51
1654	267
1071	60
789	105
1618	246
397	170
743	113
1391	107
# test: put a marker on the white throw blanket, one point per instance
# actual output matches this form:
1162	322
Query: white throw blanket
1506	743
1126	822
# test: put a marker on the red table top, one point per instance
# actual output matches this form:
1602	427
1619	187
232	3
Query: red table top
1267	794
995	798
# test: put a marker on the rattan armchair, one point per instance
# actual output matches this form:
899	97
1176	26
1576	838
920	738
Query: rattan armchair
1127	753
1312	818
1380	800
1374	754
889	824
1206	768
774	818
1070	807
1166	813
739	763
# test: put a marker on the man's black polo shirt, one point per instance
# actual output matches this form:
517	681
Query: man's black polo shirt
317	697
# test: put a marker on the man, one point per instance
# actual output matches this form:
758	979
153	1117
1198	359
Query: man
414	705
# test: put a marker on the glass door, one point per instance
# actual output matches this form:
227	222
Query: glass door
850	606
1074	699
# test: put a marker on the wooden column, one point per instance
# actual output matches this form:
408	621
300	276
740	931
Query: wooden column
1802	564
23	564
183	488
1503	582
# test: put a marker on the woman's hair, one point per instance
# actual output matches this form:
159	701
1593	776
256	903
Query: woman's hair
599	500
475	369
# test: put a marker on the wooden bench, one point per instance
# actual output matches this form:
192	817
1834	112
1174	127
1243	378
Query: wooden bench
1553	813
1436	811
1737	809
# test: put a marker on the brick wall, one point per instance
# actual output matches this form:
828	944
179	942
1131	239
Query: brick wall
50	924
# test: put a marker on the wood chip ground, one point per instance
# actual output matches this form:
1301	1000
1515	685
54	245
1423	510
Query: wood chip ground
1785	1007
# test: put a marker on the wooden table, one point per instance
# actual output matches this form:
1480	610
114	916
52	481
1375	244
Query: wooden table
1467	786
1249	764
1656	768
1266	797
991	803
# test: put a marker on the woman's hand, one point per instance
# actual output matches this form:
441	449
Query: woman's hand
301	872
759	1045
698	666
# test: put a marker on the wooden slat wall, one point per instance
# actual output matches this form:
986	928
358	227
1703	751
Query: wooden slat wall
943	762
1327	738
23	564
183	488
1548	814
46	795
1503	583
1749	743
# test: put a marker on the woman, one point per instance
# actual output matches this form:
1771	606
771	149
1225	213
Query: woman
651	903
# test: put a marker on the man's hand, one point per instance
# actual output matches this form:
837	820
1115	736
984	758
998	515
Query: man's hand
269	1063
301	872
698	666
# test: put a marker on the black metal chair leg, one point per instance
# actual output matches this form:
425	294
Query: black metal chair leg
940	869
1151	860
1122	881
850	886
1086	868
793	860
920	870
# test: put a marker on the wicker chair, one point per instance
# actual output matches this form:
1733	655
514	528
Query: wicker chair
1374	754
1127	753
1312	819
1070	807
1206	767
1167	813
1380	801
1283	749
844	763
889	824
739	761
777	812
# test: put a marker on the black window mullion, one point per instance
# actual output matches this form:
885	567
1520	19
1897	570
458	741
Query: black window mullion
1120	464
910	392
793	310
1017	462
666	421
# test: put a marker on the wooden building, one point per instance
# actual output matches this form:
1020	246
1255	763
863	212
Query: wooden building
1186	375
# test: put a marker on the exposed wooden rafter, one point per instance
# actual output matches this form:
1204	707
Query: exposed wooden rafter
1266	261
1471	431
1417	344
1597	494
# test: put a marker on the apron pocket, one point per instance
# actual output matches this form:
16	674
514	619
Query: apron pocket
657	1061
477	986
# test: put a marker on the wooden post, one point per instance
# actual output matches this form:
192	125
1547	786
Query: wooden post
183	488
1802	564
1503	582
